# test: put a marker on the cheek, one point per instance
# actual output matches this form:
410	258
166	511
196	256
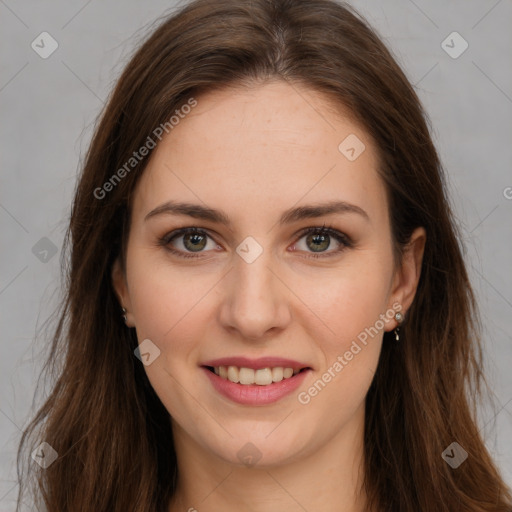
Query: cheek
170	310
163	297
353	308
351	299
356	317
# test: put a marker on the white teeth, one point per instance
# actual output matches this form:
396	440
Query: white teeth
233	374
277	374
248	376
263	377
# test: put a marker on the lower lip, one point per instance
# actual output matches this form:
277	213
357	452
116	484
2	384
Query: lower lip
254	394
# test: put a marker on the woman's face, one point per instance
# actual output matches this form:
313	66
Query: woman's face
257	292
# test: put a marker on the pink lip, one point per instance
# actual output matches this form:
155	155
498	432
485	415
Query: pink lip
254	394
255	364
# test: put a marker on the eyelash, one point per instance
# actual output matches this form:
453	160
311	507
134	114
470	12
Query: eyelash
343	239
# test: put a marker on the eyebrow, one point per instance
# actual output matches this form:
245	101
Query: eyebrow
198	211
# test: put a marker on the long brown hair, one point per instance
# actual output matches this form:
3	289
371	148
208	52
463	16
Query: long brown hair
111	432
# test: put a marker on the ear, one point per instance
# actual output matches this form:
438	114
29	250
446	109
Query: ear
121	290
407	275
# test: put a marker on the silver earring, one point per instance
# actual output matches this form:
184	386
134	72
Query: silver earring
124	314
399	318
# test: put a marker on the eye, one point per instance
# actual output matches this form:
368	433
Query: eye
190	242
319	239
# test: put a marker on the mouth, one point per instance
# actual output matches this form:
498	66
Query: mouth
259	376
255	382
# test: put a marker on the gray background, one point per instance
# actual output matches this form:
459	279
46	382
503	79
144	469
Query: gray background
48	107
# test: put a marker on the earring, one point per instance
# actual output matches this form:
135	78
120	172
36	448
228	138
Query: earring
124	314
399	318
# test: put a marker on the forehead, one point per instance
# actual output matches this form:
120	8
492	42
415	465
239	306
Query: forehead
260	148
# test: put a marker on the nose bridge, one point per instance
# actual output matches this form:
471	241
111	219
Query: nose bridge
254	279
254	302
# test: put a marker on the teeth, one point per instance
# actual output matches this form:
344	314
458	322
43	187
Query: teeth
277	374
233	374
263	377
248	376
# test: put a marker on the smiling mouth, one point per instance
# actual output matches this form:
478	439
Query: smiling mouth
250	376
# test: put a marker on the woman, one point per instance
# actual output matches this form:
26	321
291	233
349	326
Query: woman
268	308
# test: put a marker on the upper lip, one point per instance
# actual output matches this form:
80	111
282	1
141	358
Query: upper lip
255	364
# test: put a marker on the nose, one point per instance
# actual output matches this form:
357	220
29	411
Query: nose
254	299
